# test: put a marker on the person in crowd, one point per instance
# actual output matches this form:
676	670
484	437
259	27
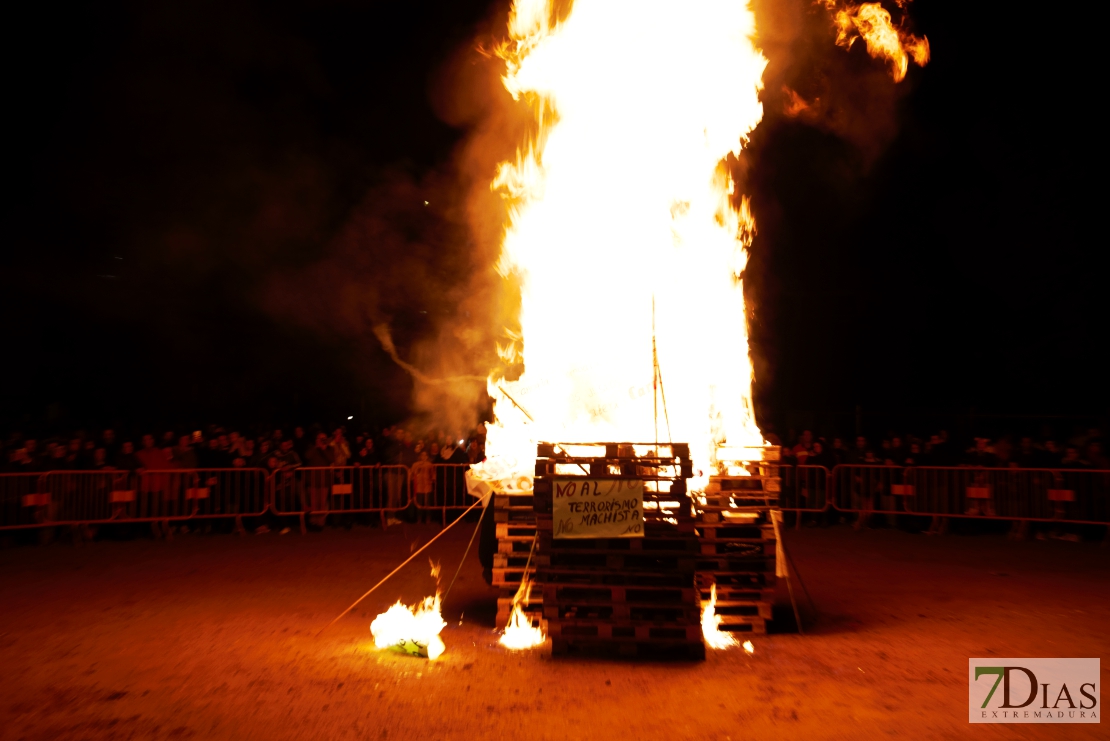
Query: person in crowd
109	443
287	456
320	454
367	454
339	449
1003	451
319	483
423	482
1095	455
237	445
126	459
859	454
74	460
87	457
150	456
301	442
262	453
981	455
804	448
21	462
913	456
183	454
1026	455
896	453
60	459
1072	459
1053	454
819	456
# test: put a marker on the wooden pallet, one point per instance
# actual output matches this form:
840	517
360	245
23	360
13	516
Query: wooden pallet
515	529
739	624
738	544
630	596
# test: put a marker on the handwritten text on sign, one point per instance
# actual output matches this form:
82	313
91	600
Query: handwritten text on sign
598	508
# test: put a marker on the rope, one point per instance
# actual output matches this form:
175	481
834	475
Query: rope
405	563
467	553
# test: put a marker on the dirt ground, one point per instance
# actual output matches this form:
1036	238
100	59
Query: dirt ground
215	637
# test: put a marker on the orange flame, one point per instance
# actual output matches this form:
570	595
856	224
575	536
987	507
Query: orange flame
519	633
711	625
413	630
872	23
619	203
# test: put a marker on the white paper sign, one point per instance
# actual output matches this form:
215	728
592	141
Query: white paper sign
598	508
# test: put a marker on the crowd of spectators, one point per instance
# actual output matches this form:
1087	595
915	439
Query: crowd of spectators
1081	450
218	447
282	449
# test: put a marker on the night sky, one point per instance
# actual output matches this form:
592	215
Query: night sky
214	203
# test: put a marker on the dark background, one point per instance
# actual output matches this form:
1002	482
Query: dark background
926	250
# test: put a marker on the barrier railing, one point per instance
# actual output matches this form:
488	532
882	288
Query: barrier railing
867	488
203	493
1022	494
86	497
1018	494
91	497
340	490
440	486
804	488
22	502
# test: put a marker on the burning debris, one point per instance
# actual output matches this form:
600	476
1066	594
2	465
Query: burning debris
412	630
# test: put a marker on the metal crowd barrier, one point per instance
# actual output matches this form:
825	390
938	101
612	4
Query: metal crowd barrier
98	497
309	491
440	486
30	500
202	493
804	488
1020	494
23	504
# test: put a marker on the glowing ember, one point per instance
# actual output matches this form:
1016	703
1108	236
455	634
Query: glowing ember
749	648
620	203
711	626
412	630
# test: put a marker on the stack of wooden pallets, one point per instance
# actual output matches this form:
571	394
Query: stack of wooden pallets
515	521
626	595
737	538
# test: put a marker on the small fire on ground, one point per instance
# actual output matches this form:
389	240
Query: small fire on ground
519	634
412	630
711	627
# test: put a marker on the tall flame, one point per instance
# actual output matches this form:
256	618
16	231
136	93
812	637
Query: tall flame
625	227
